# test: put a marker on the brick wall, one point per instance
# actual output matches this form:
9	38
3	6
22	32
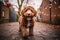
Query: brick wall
45	13
6	15
55	11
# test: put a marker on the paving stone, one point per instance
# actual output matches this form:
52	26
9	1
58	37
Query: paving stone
42	31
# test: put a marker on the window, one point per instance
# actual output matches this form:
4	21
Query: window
3	14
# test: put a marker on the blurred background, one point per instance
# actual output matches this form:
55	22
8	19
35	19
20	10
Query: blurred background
47	20
47	11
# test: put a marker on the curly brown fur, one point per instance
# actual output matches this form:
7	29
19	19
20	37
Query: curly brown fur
28	8
23	22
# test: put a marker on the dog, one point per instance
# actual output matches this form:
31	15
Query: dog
26	21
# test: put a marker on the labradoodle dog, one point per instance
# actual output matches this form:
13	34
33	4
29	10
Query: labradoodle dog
26	21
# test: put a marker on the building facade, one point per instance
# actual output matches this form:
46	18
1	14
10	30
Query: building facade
55	12
4	13
50	11
45	13
7	13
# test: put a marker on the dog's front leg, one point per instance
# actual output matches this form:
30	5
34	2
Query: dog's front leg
24	31
31	31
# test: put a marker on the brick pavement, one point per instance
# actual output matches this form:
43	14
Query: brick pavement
42	31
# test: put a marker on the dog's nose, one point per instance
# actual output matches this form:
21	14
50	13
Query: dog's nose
28	14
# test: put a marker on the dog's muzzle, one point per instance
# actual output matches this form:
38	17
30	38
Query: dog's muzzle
29	17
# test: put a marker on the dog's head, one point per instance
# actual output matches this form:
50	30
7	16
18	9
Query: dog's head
28	12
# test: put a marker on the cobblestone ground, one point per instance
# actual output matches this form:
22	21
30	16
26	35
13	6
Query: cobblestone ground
42	31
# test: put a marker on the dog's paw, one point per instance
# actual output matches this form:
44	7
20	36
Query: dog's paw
31	34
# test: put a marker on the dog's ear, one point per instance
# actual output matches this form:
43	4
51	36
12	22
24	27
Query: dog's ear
33	10
24	10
